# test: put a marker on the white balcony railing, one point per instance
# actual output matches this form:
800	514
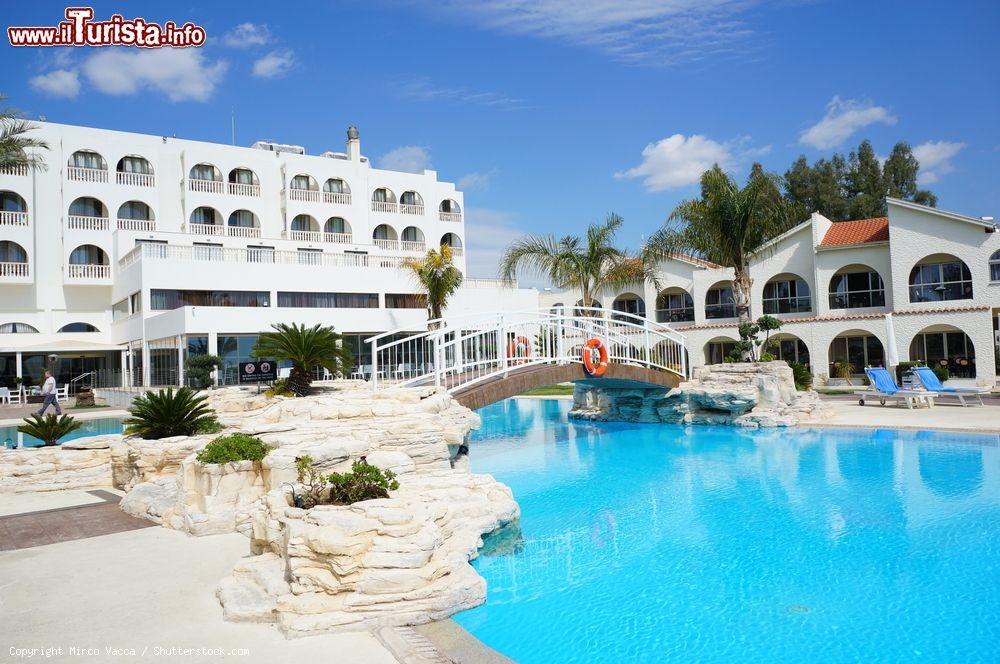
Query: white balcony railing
180	253
306	236
136	179
8	269
412	245
242	231
406	208
240	189
338	238
334	197
383	206
12	218
450	216
307	195
136	224
206	229
205	186
89	271
20	169
86	174
386	244
487	283
457	251
83	223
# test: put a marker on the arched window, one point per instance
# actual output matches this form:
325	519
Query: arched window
411	203
336	186
412	234
17	328
995	266
12	202
790	348
206	216
78	327
384	232
856	287
383	195
629	303
88	254
88	159
205	172
135	210
719	349
12	252
719	302
786	294
242	176
243	219
945	346
303	182
850	352
304	223
451	240
86	206
448	205
940	277
134	164
336	225
674	305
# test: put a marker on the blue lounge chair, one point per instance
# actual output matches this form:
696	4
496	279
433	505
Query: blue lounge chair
930	381
883	386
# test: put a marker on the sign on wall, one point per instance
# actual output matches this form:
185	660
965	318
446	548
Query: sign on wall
258	371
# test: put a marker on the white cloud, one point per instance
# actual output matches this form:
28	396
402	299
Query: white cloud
843	118
246	35
408	158
59	83
488	233
423	89
935	159
475	181
678	160
179	73
275	64
649	32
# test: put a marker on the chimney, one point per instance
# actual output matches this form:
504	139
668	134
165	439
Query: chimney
353	144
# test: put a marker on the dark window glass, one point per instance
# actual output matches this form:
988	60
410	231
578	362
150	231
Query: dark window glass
163	299
328	300
405	301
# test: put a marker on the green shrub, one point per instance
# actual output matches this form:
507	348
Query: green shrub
364	482
802	376
167	413
279	389
766	357
234	447
50	428
198	369
903	368
844	369
942	373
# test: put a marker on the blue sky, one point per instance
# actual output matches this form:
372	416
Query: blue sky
549	115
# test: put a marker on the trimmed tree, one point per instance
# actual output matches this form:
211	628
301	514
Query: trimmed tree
306	348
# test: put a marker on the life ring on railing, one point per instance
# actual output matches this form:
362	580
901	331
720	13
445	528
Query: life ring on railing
588	357
519	350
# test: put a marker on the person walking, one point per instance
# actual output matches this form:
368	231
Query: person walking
49	394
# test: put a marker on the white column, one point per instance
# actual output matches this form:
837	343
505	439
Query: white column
145	364
18	367
180	360
213	349
124	366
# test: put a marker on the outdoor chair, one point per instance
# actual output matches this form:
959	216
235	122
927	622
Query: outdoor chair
930	381
883	386
5	395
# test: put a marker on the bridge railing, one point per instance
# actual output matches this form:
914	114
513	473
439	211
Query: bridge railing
460	351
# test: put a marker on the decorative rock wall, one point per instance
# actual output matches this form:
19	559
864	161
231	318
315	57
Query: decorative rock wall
744	394
81	463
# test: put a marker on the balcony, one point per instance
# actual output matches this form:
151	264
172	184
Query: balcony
183	254
450	216
136	179
383	206
338	238
457	251
392	245
9	218
412	245
205	186
20	170
136	224
242	231
306	236
83	223
14	272
206	229
86	174
88	273
307	195
240	189
409	208
334	197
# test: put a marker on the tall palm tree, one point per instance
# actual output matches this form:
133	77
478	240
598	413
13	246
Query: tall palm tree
438	276
589	264
727	226
305	347
14	141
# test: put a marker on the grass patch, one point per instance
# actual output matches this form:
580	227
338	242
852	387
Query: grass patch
549	391
89	406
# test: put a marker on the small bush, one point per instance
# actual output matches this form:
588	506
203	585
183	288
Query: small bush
279	389
802	376
198	369
234	447
207	426
49	428
364	482
942	373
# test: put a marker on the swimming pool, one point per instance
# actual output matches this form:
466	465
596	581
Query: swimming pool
645	543
91	427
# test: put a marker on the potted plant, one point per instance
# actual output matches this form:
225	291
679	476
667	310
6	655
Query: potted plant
843	370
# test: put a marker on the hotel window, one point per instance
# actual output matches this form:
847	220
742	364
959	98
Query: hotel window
260	254
300	182
995	266
119	310
936	282
164	299
786	296
206	251
405	301
233	349
204	172
134	165
719	303
135	301
17	328
88	159
854	290
242	176
328	300
86	207
674	307
310	256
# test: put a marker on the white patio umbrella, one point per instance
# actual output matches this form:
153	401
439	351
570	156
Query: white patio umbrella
891	352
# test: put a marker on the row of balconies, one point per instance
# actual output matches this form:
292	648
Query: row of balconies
97	175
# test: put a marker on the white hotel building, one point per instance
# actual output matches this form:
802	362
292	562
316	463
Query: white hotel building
130	252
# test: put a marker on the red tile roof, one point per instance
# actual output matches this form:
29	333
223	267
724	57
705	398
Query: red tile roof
836	317
860	231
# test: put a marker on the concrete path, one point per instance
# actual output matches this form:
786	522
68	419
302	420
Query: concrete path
146	589
943	416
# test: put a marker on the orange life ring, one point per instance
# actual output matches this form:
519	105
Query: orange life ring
588	358
516	344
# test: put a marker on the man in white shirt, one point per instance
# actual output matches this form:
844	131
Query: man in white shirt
49	394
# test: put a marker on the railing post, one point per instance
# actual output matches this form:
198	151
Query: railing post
560	338
501	348
374	365
436	345
649	351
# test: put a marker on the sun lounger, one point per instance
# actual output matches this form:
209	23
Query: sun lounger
930	381
883	387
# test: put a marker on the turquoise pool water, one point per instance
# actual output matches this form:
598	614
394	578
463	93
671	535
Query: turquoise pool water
92	427
652	543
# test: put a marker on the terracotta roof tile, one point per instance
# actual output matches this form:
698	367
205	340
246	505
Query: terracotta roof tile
860	231
817	319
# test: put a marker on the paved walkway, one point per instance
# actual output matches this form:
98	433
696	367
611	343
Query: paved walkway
943	416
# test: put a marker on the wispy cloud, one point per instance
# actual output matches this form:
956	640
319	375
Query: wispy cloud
58	83
275	64
424	89
935	159
407	158
476	181
678	160
843	118
247	35
647	32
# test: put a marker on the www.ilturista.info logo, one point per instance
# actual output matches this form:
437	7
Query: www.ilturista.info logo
79	29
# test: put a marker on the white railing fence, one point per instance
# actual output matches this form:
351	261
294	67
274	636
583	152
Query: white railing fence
463	351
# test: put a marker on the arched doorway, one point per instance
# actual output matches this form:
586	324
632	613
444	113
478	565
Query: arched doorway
945	346
852	351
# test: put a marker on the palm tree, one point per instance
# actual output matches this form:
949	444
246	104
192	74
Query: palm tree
167	413
50	428
305	347
13	141
438	276
589	264
728	226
